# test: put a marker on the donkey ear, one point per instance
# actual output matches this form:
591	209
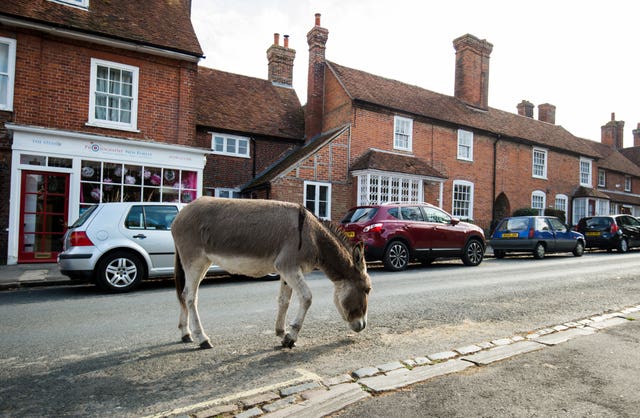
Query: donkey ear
358	255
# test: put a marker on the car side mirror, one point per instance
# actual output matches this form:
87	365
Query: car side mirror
455	221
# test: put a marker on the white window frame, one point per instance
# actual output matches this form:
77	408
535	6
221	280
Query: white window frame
536	196
229	193
539	168
378	187
627	183
10	74
602	178
465	145
562	203
585	175
82	4
456	209
402	127
226	140
93	121
316	198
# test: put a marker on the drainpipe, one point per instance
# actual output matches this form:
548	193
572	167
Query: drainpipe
255	157
494	185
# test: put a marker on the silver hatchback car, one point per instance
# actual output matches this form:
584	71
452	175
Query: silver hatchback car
117	245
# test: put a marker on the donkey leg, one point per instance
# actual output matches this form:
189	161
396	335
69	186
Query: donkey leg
303	293
283	305
194	276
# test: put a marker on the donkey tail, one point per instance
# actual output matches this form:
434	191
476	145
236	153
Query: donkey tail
179	276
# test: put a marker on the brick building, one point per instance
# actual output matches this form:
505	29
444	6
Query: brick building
370	139
97	104
248	123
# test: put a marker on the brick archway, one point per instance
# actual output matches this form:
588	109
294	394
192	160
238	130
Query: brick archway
501	209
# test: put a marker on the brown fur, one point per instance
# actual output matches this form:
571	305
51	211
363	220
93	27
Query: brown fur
257	237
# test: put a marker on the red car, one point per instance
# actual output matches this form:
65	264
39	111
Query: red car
398	233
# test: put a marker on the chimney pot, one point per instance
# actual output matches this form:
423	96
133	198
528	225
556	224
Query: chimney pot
318	19
276	39
286	41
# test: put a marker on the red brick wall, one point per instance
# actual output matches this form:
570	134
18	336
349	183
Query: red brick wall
328	164
230	172
52	88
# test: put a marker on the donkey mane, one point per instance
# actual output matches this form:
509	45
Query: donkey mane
338	233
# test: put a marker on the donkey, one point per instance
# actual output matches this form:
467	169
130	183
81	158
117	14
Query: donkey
255	238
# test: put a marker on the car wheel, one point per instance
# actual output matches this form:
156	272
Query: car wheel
623	246
473	253
538	251
119	272
579	250
499	253
396	257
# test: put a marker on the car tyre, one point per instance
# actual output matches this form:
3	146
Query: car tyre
579	250
623	245
539	251
119	272
499	253
396	257
473	253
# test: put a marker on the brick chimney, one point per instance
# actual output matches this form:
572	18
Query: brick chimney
547	113
612	132
636	136
525	108
472	70
317	40
280	60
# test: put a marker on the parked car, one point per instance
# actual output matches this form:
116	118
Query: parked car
539	235
117	245
398	233
620	232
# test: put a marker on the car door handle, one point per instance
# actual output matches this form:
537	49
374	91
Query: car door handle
141	236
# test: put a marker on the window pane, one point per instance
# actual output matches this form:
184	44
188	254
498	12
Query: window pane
231	145
4	58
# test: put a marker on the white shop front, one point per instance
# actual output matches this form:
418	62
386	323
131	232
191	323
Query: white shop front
55	175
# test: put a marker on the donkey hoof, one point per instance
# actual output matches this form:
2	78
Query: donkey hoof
206	344
187	339
288	342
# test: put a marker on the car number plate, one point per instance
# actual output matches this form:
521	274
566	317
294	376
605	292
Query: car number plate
593	234
350	234
509	235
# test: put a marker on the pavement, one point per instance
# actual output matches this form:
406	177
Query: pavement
29	275
589	367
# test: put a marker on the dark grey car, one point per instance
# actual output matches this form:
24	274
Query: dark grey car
620	232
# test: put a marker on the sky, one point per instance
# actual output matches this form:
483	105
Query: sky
582	56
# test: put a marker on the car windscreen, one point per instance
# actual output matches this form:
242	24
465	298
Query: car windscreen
84	216
598	223
359	215
514	224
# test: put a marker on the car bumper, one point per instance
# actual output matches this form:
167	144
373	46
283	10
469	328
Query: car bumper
78	264
513	244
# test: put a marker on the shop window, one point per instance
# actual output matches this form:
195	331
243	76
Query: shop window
113	102
115	182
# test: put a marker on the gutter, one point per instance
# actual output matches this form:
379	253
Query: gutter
100	40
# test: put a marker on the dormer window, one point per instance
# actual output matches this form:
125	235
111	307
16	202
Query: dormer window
232	145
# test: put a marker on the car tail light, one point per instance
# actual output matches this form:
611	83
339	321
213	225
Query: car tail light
79	239
614	228
372	228
531	232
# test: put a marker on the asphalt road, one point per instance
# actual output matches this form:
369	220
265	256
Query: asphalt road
76	351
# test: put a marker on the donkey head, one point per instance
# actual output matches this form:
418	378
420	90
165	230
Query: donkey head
351	294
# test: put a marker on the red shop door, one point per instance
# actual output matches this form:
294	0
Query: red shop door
43	212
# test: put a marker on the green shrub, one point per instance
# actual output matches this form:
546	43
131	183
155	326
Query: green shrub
557	213
526	212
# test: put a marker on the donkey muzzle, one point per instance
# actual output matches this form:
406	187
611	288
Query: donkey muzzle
358	324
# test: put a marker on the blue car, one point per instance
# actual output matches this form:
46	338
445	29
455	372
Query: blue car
538	235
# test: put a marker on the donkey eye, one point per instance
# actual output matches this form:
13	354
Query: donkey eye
367	291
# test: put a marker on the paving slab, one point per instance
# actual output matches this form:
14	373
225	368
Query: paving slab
563	336
402	378
606	323
503	352
322	403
